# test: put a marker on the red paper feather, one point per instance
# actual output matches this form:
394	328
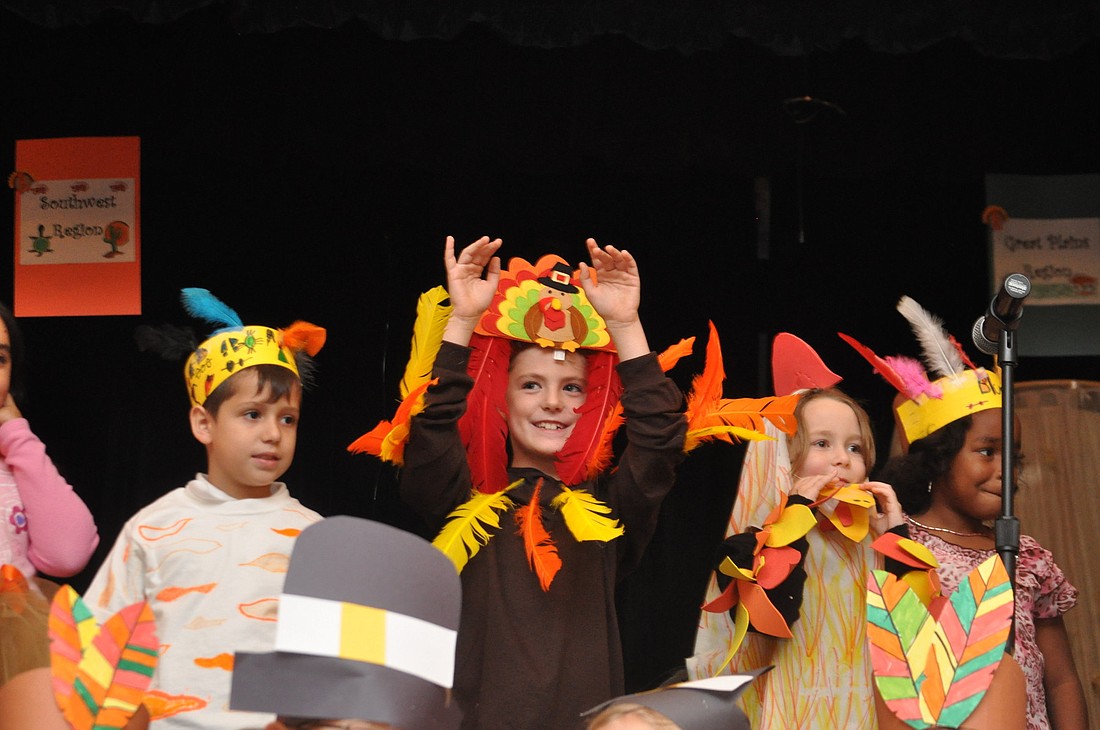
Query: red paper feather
881	366
542	555
583	445
484	426
962	353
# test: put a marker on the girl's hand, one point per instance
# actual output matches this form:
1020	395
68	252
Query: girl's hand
9	410
617	290
889	513
470	294
810	487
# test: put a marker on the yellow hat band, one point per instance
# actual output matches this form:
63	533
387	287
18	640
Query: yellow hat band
970	392
228	352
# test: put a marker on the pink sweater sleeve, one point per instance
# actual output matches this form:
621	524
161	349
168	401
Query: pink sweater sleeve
62	532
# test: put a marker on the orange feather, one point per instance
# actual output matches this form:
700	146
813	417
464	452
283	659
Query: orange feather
304	336
668	359
542	555
379	442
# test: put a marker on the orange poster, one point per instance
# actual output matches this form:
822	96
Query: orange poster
77	226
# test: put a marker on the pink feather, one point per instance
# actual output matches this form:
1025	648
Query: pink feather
912	373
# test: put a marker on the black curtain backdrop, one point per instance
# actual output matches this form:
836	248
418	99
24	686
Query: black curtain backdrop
306	160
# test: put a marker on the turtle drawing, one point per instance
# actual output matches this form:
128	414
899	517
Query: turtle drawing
40	244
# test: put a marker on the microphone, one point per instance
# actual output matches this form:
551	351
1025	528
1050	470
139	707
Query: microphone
1003	314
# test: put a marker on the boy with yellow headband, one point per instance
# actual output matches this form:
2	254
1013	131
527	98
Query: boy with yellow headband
211	556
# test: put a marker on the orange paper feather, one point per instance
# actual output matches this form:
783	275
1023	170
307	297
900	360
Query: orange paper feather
542	554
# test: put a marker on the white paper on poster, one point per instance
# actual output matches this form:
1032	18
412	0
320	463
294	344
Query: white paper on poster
77	222
1061	257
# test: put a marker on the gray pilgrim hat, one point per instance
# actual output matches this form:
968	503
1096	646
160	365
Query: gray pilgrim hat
367	627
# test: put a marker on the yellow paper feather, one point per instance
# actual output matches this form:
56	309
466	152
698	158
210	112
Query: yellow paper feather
431	317
585	516
466	530
729	434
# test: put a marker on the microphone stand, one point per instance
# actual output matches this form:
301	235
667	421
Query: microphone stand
1007	526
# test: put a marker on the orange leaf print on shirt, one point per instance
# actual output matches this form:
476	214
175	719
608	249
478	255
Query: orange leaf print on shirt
152	533
221	661
162	705
287	531
173	592
265	609
271	562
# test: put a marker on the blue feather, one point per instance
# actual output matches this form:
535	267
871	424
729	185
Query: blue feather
200	303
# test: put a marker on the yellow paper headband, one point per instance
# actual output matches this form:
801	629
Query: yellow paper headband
970	392
240	346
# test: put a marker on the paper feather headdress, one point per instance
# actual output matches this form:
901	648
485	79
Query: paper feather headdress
235	346
951	387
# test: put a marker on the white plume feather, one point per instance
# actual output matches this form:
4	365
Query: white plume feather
938	352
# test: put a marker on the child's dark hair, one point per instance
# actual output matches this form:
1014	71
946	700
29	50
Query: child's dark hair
928	459
282	382
17	352
174	343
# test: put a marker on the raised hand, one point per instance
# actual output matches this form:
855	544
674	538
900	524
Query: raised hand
616	292
470	294
617	289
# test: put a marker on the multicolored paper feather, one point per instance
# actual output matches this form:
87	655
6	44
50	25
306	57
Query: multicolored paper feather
933	665
467	526
71	627
542	554
100	674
